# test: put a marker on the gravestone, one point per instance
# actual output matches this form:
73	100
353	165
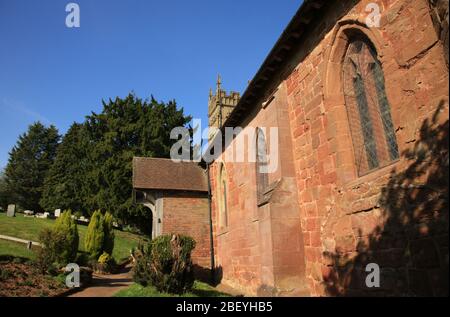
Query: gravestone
28	212
57	213
83	219
46	215
11	212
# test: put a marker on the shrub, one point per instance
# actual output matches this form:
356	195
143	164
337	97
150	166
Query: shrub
106	263
59	244
68	228
166	264
141	269
109	236
48	258
93	242
100	235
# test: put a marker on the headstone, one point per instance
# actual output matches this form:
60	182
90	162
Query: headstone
28	212
83	219
57	213
11	212
46	215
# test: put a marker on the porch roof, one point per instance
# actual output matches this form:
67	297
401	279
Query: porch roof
164	174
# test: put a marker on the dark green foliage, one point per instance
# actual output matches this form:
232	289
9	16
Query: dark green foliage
108	229
100	235
64	184
48	258
59	244
166	264
126	128
141	269
28	165
4	199
93	167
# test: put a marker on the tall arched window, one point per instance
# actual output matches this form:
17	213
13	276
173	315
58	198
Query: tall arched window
223	199
262	179
368	109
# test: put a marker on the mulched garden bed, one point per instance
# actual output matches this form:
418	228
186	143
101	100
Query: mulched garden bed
19	278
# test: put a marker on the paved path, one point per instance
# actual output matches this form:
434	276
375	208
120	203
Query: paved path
106	285
14	239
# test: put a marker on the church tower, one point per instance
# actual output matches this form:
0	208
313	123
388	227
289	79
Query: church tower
220	105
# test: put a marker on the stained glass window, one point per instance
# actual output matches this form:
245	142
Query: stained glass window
368	108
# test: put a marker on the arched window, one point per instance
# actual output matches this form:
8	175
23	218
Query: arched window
262	179
368	109
223	199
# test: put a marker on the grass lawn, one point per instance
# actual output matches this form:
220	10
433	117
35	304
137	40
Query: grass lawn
200	290
29	229
17	250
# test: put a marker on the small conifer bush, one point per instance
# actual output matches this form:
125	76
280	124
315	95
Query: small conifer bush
166	264
100	235
59	244
67	226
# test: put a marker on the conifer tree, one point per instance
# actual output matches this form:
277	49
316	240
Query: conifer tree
64	184
95	235
67	226
3	192
28	165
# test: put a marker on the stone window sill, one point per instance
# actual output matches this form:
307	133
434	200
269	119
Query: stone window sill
373	175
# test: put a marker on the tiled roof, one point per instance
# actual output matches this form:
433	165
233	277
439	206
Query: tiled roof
164	174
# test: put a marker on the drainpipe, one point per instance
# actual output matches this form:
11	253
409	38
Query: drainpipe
211	241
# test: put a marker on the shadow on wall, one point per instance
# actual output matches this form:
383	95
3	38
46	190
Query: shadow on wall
204	275
411	247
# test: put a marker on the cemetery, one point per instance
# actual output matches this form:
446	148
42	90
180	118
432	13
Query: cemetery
19	254
323	173
29	228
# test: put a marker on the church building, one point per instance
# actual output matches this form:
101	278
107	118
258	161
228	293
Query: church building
358	93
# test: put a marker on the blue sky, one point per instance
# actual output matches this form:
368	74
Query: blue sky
172	49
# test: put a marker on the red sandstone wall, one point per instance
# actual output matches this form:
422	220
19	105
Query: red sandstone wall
188	214
245	248
237	247
396	216
384	217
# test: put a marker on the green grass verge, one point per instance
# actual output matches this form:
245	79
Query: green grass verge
14	249
200	290
29	229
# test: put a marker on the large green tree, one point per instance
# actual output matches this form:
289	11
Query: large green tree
125	128
64	184
28	165
3	191
93	167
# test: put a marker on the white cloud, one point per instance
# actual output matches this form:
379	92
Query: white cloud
21	108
